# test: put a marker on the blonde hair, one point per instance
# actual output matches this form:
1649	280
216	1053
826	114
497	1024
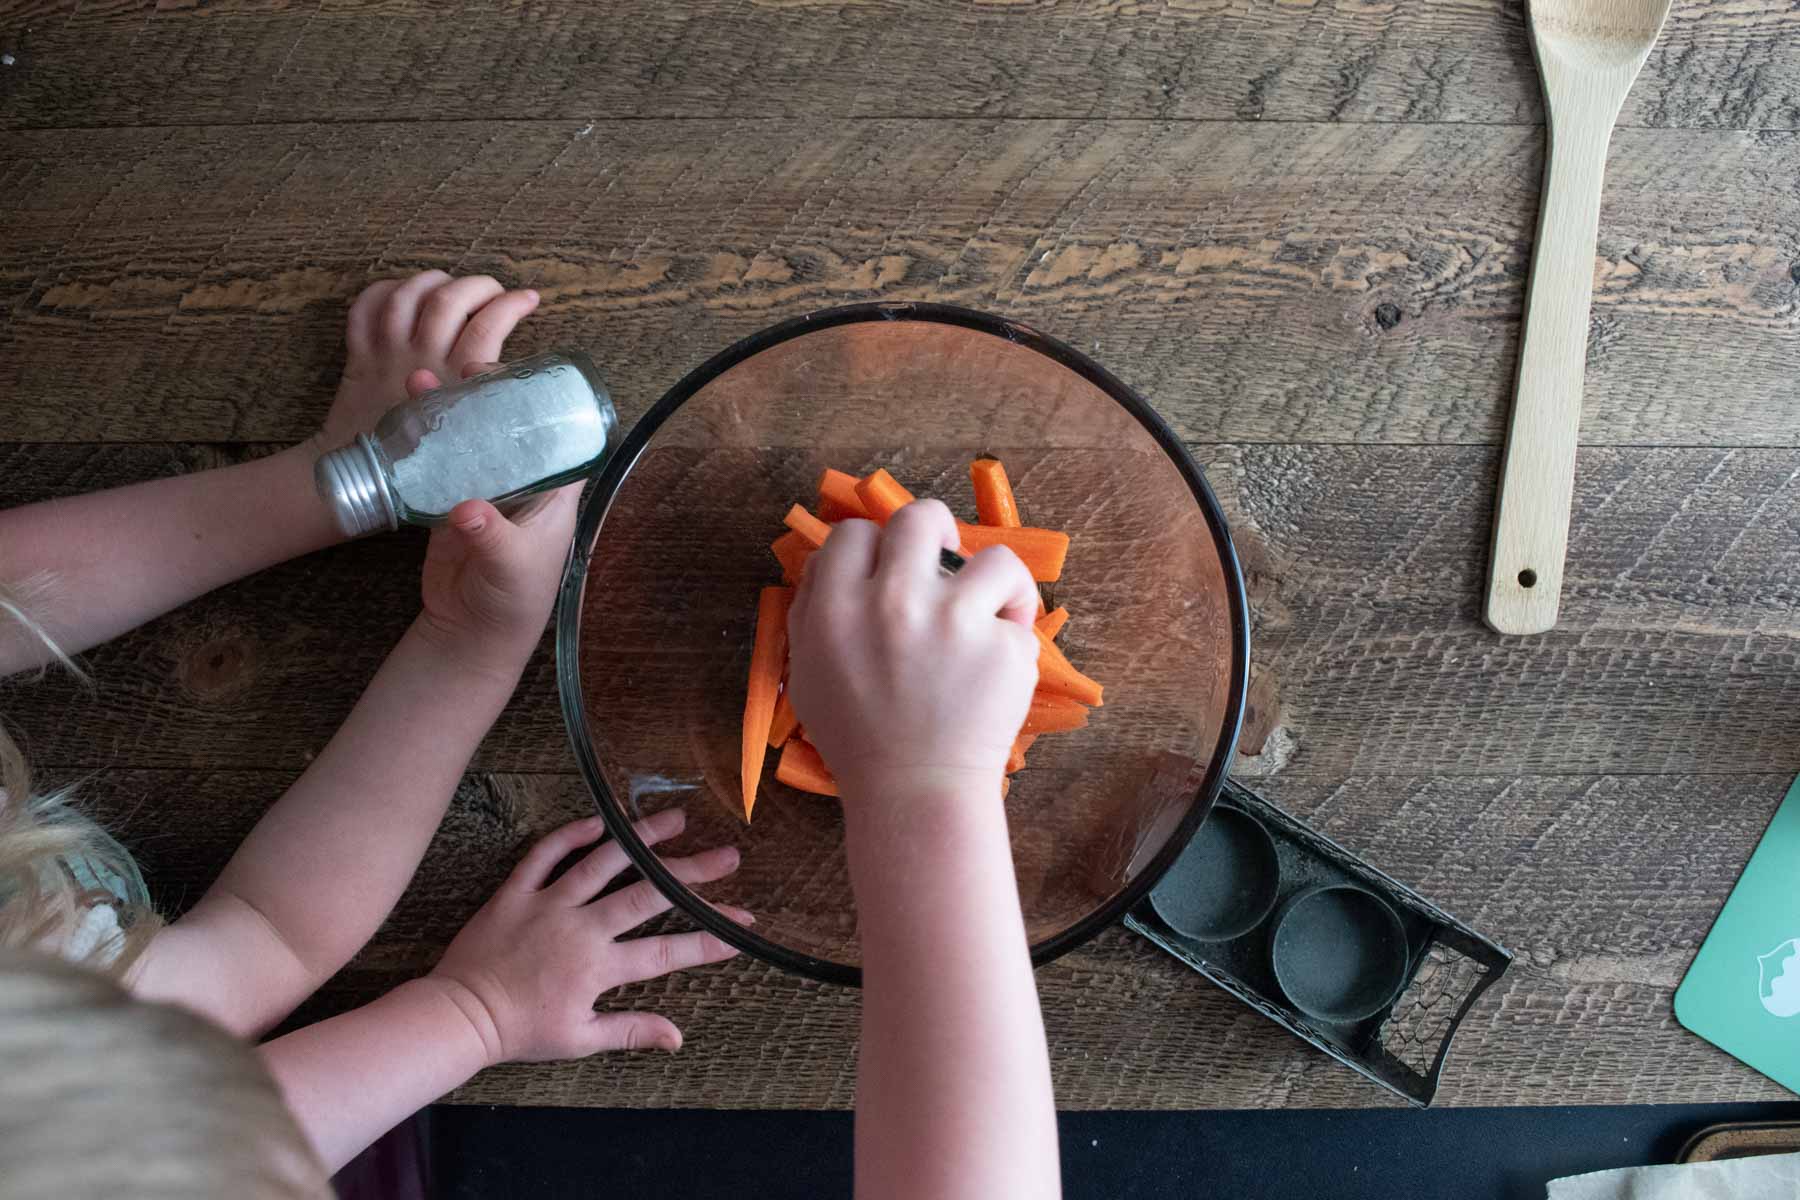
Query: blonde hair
55	863
103	1095
106	1096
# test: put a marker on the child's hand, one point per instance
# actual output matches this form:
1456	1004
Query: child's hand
428	323
909	680
490	581
528	967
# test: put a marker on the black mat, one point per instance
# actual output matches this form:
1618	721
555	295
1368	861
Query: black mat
1456	1154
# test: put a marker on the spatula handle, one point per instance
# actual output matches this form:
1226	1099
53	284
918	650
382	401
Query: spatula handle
1537	477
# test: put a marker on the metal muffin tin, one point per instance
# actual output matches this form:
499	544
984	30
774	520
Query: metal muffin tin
1321	943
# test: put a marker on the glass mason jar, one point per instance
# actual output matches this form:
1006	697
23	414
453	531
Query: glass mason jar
526	427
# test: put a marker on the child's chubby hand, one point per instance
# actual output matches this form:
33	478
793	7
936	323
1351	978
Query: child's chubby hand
407	335
912	683
490	580
527	969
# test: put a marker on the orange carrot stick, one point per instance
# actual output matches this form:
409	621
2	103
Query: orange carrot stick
882	495
807	526
1052	622
1057	676
1041	550
767	656
838	500
801	767
783	723
1054	714
994	500
1015	760
792	550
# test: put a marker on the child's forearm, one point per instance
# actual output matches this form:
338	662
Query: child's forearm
954	1095
327	862
115	559
351	1078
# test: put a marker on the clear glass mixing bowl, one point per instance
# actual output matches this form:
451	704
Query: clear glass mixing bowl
657	610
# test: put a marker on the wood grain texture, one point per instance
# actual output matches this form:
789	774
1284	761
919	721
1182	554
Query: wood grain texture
1679	650
1260	283
1722	63
1582	1018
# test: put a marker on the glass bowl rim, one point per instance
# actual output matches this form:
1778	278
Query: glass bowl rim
598	502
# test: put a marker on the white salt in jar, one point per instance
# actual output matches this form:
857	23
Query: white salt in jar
529	426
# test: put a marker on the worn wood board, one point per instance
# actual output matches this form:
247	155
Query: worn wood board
1719	63
1328	283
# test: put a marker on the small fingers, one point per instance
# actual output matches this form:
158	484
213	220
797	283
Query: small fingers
995	582
585	880
912	543
551	849
362	325
632	1031
653	957
482	339
630	907
400	314
848	557
444	312
420	382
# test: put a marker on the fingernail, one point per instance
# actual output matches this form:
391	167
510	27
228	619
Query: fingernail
730	854
532	294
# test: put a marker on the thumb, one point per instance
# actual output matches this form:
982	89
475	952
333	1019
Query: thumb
633	1031
480	528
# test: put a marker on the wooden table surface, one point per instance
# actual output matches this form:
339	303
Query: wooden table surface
1302	229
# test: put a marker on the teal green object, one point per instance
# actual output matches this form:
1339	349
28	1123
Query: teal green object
1742	992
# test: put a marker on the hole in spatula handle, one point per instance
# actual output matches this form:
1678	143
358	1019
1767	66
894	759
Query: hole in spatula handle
1527	578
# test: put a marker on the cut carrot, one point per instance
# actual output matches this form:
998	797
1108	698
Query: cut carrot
838	500
1057	676
1041	550
994	500
768	655
783	723
1015	760
1054	714
882	495
801	767
792	550
807	526
1052	622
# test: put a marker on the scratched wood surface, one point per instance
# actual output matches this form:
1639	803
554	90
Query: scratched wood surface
1298	282
1303	230
1721	63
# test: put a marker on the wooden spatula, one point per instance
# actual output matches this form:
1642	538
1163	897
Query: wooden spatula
1588	53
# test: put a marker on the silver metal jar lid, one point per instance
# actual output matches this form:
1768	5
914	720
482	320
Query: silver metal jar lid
355	488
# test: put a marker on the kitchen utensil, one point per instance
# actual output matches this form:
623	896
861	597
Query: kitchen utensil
655	618
1352	961
1588	54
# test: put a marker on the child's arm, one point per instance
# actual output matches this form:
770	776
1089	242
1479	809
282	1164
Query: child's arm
111	560
517	985
913	685
320	871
